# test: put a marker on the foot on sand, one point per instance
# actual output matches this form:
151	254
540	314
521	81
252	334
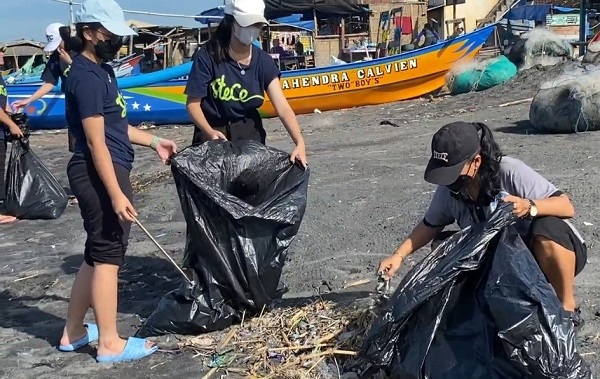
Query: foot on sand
133	349
6	219
90	334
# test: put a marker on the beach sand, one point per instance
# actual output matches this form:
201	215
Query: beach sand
366	193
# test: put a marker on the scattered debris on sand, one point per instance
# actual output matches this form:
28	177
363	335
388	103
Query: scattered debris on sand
142	182
317	340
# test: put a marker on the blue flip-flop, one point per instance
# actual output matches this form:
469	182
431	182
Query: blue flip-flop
134	349
91	336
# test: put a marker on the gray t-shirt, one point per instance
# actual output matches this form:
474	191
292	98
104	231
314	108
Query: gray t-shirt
516	178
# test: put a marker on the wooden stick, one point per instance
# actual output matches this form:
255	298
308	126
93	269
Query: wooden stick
226	340
328	337
516	102
210	373
300	347
27	277
357	283
315	365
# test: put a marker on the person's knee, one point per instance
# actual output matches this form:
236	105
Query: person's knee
552	257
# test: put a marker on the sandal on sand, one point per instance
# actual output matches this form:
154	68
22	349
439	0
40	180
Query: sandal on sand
91	336
134	349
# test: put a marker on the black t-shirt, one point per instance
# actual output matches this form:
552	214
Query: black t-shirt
227	95
90	90
56	69
3	102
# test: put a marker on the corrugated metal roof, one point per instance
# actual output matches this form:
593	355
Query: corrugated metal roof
22	48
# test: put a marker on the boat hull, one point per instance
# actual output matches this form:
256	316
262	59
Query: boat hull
158	97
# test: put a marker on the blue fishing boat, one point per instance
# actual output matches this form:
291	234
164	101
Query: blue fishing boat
158	97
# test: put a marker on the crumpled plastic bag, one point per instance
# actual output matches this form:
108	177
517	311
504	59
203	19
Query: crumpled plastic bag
477	307
243	203
32	192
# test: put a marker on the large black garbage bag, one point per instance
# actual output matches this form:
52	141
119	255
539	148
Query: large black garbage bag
243	203
32	192
477	307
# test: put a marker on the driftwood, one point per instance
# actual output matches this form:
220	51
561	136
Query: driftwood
289	342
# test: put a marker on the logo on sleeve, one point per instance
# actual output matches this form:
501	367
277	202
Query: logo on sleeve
3	91
122	104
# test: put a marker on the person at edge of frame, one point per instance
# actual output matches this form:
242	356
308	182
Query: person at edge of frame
229	77
5	122
473	176
99	176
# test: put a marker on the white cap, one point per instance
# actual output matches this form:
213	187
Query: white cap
246	12
53	37
106	12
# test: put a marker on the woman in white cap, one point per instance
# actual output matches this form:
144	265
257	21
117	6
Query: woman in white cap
228	80
57	67
99	177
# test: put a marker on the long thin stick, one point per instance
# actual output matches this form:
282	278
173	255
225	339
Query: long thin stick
516	102
148	13
163	251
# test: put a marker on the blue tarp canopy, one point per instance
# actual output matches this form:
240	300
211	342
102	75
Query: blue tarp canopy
295	20
216	13
536	12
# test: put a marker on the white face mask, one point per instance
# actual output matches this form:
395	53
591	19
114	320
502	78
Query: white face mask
246	35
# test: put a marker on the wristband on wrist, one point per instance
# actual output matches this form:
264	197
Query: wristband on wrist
154	142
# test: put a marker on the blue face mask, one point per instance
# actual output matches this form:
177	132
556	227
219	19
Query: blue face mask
246	35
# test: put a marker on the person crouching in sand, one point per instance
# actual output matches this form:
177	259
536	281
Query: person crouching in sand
99	177
471	173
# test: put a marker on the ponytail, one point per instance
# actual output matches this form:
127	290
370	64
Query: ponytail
75	42
489	170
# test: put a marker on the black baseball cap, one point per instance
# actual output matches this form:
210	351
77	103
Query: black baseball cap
451	147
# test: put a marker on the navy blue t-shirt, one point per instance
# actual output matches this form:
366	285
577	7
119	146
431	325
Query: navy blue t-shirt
227	95
3	102
56	69
91	90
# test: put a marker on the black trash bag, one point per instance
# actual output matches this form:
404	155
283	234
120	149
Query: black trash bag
32	192
22	121
477	307
243	203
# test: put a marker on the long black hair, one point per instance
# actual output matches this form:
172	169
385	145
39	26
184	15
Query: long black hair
489	170
218	45
76	43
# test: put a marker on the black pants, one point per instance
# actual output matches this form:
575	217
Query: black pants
552	228
107	236
3	153
246	129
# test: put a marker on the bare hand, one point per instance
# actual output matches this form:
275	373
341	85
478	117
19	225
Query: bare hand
15	131
123	208
20	104
299	155
64	56
521	207
390	265
215	134
165	150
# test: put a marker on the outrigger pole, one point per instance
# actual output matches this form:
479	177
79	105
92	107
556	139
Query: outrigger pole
71	3
582	26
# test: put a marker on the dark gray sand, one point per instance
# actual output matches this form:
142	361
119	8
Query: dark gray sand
366	193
